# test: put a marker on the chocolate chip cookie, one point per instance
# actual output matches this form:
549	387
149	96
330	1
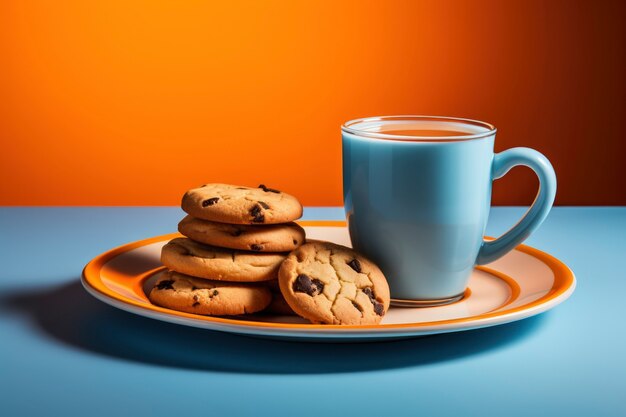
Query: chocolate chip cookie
328	283
201	296
210	262
278	305
268	238
241	205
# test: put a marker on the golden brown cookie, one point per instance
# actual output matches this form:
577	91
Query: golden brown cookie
201	296
328	283
278	305
241	205
269	238
188	257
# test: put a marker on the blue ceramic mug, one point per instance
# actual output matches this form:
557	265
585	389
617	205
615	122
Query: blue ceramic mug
417	193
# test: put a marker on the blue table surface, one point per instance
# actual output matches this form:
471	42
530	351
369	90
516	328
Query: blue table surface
64	352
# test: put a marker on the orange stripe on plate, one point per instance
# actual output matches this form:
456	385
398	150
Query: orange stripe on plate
513	285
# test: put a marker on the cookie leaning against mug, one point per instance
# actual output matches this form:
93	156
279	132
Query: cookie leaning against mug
268	238
201	296
241	205
333	284
188	257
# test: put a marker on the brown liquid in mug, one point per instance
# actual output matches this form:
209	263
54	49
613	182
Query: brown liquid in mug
425	132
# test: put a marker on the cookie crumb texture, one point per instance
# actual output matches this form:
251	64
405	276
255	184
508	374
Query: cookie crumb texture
241	205
200	296
332	284
198	260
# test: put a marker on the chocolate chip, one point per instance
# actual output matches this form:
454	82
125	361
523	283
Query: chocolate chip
264	204
257	214
210	201
268	190
256	247
295	242
379	308
305	284
193	289
236	232
196	304
214	293
355	264
165	285
358	307
195	298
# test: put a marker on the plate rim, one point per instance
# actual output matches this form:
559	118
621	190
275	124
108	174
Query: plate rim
563	286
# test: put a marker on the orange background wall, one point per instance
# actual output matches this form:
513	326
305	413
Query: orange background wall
131	103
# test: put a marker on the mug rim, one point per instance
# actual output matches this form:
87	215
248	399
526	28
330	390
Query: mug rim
346	127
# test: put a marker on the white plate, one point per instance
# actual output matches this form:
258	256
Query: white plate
521	284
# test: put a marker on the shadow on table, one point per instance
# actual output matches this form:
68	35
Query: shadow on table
70	315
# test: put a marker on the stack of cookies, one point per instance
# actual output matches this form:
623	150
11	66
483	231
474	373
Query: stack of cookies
236	239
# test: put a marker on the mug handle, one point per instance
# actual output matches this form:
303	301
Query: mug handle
536	214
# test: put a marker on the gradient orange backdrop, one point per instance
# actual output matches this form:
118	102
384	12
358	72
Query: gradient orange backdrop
131	103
